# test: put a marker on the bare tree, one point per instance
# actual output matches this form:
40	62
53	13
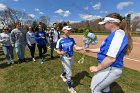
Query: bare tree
44	19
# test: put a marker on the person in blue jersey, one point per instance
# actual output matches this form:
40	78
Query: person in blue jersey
40	37
65	47
110	54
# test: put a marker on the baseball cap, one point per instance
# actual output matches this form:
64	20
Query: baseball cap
67	28
109	19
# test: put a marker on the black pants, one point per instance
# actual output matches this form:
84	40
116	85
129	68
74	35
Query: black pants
52	46
32	50
41	53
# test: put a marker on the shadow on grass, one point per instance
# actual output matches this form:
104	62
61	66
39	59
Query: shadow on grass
54	58
78	77
2	59
4	65
116	88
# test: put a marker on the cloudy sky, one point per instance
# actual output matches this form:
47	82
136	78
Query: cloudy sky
73	10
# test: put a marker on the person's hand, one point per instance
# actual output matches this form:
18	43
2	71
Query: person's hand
63	52
30	44
13	45
93	69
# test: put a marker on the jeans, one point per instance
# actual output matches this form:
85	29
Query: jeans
8	50
20	50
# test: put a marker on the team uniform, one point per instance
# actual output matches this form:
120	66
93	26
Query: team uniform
115	45
67	44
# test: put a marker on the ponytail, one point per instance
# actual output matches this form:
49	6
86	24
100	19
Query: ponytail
124	26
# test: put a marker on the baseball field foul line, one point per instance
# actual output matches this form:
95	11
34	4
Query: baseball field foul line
132	59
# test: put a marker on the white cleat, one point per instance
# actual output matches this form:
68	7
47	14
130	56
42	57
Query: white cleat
63	78
71	90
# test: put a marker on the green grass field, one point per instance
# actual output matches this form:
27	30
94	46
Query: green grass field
36	78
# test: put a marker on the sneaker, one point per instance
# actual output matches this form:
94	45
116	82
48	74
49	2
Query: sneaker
71	90
12	61
8	62
42	62
63	78
34	60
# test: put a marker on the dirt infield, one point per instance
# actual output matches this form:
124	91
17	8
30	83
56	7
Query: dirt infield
132	61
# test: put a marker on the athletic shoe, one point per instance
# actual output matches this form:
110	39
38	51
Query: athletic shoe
8	62
63	78
12	61
34	60
42	61
71	90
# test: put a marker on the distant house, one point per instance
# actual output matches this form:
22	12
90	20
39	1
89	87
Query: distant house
138	28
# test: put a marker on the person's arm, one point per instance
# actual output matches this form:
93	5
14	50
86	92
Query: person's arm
77	48
27	39
1	40
59	49
12	38
60	52
93	50
106	63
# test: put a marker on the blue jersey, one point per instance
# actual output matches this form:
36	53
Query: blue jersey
40	38
66	44
115	45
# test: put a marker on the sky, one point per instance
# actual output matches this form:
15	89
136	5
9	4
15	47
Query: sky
73	10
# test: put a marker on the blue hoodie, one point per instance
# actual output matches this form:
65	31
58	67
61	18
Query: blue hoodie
40	38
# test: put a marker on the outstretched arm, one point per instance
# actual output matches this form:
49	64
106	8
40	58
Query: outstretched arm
92	50
78	48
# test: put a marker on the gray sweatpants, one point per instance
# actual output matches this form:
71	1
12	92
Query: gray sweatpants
67	64
101	80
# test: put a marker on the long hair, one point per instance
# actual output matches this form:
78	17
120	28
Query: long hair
124	26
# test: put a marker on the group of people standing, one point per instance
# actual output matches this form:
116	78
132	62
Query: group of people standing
19	38
110	55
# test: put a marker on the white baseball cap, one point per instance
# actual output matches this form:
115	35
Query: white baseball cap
109	19
67	28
